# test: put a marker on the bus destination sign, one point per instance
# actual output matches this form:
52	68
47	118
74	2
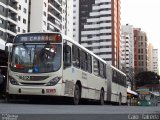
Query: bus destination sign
34	38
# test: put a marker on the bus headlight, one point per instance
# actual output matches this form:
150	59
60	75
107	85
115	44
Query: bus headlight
54	81
13	81
139	103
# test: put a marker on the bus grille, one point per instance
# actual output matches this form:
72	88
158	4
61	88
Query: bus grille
32	84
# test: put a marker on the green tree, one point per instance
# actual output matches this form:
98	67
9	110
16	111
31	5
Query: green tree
146	78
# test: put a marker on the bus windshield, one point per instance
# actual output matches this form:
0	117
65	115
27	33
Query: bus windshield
36	58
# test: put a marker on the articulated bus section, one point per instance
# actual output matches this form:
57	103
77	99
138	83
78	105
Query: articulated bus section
51	64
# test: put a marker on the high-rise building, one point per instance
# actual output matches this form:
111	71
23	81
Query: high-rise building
150	57
45	15
155	61
13	19
97	27
125	52
52	16
69	18
127	47
140	51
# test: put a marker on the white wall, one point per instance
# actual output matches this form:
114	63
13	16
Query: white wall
76	20
36	18
23	15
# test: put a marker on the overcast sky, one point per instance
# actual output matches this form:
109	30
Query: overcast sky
144	14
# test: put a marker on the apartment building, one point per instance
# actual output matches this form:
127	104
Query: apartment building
155	61
45	15
13	19
140	51
125	52
97	27
51	16
127	47
150	57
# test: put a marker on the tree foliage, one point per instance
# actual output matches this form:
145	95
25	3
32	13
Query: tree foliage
147	78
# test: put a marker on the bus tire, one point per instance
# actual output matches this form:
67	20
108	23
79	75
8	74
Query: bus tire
77	95
101	101
120	99
8	97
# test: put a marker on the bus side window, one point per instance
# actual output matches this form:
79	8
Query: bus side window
83	61
89	59
67	56
95	67
76	56
101	69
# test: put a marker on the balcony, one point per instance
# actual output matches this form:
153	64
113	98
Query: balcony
4	1
14	1
10	37
56	5
12	15
11	27
55	14
55	22
13	4
60	1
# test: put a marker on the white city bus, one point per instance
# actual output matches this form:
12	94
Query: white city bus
51	64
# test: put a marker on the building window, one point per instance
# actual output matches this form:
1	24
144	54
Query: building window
44	22
24	31
45	4
25	10
24	21
18	29
1	21
1	33
19	18
44	13
25	1
1	8
19	7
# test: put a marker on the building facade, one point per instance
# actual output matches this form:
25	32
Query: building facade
127	47
52	16
140	51
150	57
125	52
13	19
45	15
155	61
97	27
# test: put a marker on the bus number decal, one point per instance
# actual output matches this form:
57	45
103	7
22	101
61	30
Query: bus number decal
50	90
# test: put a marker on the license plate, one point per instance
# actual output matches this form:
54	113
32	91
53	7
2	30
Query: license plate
50	90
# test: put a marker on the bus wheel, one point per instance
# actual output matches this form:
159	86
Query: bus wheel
101	101
120	99
77	93
8	97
